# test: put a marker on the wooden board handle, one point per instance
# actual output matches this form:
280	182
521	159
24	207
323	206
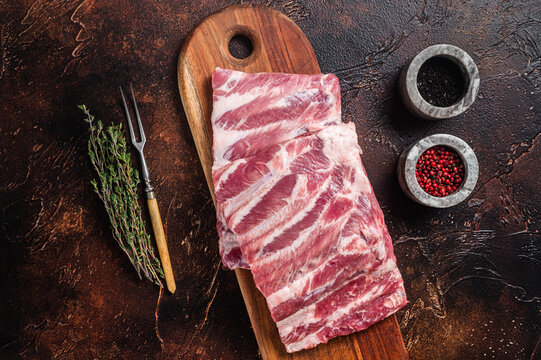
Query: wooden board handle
161	242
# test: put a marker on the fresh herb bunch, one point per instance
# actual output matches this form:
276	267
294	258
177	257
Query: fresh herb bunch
117	188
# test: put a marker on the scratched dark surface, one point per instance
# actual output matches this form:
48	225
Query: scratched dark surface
472	273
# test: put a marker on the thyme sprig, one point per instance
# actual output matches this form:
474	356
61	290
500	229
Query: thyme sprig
117	187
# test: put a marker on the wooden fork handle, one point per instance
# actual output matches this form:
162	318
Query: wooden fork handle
161	242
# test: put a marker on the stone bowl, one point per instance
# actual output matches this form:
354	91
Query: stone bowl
411	96
408	161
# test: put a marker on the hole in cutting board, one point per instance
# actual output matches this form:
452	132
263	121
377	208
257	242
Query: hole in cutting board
240	46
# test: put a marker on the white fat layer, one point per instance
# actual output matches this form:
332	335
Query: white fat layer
397	298
303	95
277	215
295	219
378	248
278	166
306	234
307	315
230	102
236	208
295	289
228	243
341	147
257	190
224	138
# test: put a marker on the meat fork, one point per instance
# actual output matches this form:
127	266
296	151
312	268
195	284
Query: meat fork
155	217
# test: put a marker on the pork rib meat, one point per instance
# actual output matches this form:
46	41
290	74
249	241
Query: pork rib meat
294	205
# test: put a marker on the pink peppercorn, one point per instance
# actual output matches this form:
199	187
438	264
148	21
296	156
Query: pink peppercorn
439	171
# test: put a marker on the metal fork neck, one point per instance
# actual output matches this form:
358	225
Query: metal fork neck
146	176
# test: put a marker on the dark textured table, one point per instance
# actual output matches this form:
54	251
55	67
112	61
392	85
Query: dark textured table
472	272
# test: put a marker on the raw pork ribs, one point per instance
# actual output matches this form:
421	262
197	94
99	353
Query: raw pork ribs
295	206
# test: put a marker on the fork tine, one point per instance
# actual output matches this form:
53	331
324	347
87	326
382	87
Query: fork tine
141	131
130	126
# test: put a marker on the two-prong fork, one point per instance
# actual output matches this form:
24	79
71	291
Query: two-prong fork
153	209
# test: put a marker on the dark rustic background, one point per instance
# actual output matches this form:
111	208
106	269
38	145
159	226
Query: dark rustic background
472	273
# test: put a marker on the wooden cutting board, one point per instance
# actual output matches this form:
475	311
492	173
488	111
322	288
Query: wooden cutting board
278	46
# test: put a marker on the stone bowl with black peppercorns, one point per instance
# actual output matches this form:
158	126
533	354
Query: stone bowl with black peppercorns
440	82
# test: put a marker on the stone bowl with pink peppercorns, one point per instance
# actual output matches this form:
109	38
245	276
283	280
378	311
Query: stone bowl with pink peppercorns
408	176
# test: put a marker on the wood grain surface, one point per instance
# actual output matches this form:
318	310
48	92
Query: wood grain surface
471	272
278	46
161	243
